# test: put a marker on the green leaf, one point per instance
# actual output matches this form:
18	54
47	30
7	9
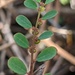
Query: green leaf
16	65
30	4
45	35
23	21
64	2
47	74
38	1
46	54
50	15
21	40
48	1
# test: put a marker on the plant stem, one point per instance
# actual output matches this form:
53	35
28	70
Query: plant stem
32	62
39	13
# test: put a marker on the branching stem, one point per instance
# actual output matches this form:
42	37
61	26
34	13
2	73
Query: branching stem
32	53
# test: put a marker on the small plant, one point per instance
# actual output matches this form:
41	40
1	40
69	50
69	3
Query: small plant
14	63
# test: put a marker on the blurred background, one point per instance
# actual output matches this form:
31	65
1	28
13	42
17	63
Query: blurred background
63	26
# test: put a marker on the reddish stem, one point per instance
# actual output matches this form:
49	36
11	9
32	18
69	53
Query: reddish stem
32	63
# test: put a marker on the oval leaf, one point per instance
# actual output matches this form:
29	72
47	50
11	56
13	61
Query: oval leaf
47	74
50	15
30	4
16	65
45	35
23	21
21	40
46	54
48	1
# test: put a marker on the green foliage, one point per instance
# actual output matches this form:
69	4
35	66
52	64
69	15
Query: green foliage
30	4
46	54
48	1
23	21
64	2
50	14
38	0
45	35
47	74
16	65
21	40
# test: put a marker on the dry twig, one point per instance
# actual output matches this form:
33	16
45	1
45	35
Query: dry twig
3	3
